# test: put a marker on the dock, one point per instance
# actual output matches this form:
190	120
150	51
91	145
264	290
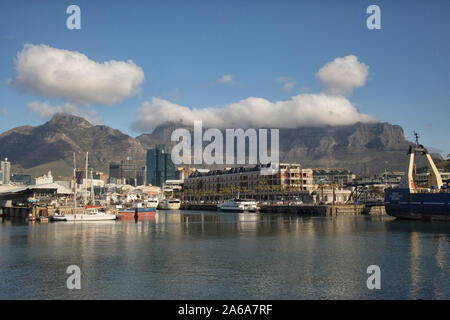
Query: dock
305	209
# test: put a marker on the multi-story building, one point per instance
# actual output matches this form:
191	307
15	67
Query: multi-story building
141	176
124	172
6	171
249	179
159	166
326	176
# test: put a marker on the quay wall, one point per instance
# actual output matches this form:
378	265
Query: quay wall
305	209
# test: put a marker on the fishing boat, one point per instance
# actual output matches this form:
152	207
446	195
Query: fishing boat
431	202
238	205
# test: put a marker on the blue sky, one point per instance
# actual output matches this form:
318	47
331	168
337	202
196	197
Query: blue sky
185	47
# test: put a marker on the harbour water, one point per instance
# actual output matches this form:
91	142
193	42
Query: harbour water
210	255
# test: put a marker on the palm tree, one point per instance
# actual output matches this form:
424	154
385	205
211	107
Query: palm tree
321	187
334	185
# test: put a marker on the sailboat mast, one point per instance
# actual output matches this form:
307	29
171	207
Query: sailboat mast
74	181
85	191
92	186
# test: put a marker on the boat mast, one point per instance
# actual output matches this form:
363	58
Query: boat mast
74	181
92	186
85	191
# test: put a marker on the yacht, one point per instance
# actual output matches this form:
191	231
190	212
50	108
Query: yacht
89	215
169	204
152	203
239	205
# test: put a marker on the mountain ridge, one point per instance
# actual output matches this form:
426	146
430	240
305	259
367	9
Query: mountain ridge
362	147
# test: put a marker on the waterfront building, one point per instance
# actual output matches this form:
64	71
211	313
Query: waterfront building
181	173
159	166
6	171
340	176
290	177
385	178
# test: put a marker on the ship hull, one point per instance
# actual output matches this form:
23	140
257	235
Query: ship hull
400	203
136	213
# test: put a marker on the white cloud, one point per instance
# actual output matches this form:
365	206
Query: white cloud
227	79
287	83
72	75
306	109
342	75
300	110
45	111
4	112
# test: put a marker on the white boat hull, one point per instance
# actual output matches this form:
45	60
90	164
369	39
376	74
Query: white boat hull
167	205
238	206
85	217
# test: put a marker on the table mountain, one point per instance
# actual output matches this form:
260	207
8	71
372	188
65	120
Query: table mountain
361	147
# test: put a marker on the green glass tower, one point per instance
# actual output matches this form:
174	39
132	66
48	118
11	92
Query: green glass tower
159	166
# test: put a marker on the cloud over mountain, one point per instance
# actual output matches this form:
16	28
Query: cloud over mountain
327	108
303	109
44	111
71	75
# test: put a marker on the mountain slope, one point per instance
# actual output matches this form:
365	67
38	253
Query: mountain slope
363	147
56	140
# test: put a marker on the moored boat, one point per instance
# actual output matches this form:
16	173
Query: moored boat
169	204
89	215
431	202
135	213
239	205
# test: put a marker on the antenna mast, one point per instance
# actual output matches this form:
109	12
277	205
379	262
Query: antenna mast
416	135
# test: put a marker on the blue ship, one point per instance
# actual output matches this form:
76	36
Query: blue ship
431	202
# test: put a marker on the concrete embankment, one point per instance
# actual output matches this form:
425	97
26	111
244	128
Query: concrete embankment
305	209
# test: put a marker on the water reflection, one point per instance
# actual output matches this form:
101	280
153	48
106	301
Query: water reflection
186	255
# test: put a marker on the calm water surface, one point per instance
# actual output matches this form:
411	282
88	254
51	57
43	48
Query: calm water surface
209	255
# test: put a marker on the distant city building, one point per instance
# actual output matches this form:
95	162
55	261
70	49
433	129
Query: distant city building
45	179
159	166
128	171
21	179
123	172
93	183
6	171
141	176
114	171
